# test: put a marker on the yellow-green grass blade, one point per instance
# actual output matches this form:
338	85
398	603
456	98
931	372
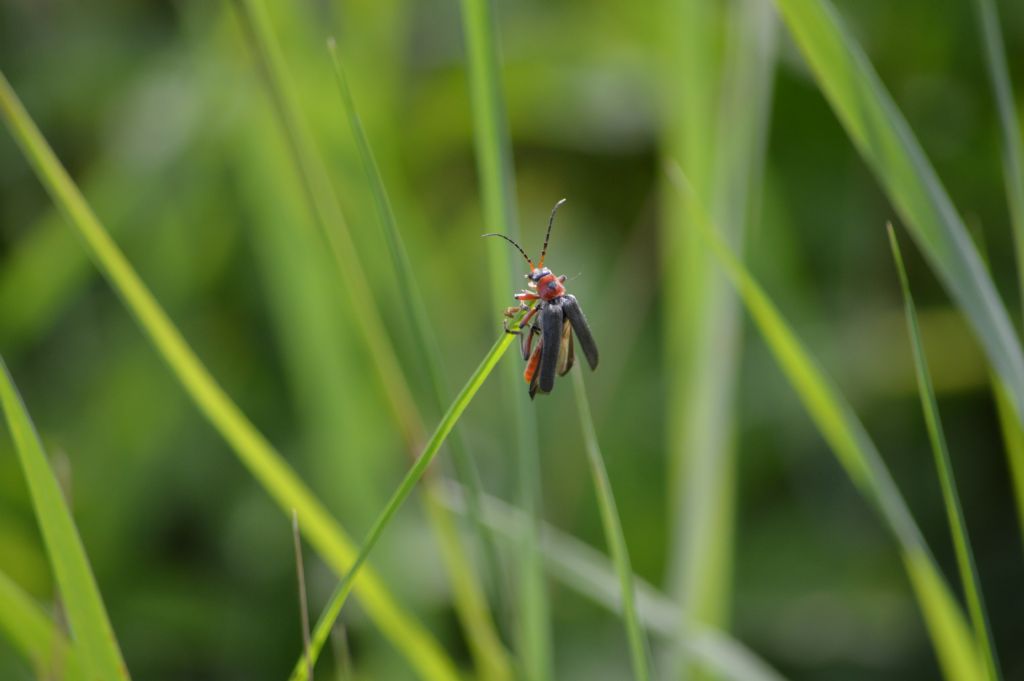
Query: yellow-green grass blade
1013	147
699	375
885	140
846	436
256	453
950	496
33	634
91	631
492	144
716	120
590	573
337	600
479	627
613	534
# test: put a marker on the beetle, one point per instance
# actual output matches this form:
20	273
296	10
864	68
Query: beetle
554	316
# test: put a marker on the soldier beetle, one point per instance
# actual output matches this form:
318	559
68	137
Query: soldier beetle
554	316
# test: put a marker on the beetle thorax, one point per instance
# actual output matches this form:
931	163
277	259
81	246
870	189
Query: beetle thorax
547	284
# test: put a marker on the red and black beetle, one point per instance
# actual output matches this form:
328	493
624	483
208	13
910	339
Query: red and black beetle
555	316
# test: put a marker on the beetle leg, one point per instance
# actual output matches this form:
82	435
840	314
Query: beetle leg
511	312
526	339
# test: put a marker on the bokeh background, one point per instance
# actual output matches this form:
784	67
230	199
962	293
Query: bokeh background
159	113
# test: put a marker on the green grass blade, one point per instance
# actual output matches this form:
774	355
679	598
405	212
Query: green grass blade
613	533
858	455
1013	439
324	204
1013	173
950	496
269	468
716	122
93	636
497	187
329	217
35	635
590	573
1013	147
484	639
330	613
886	142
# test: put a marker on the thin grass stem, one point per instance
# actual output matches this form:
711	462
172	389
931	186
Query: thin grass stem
300	573
951	498
613	534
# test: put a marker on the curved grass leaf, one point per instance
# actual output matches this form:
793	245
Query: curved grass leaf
613	533
327	618
93	636
35	635
256	453
885	140
845	435
587	571
950	496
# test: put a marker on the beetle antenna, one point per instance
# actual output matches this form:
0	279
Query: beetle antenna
518	247
551	221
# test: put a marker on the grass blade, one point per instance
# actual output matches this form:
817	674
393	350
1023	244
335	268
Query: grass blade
300	572
1013	439
35	635
497	188
885	140
589	572
268	467
716	122
950	496
858	455
479	627
330	219
462	400
1013	147
93	636
325	206
1013	173
613	533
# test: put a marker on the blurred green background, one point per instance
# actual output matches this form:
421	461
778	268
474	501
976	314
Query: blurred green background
159	113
